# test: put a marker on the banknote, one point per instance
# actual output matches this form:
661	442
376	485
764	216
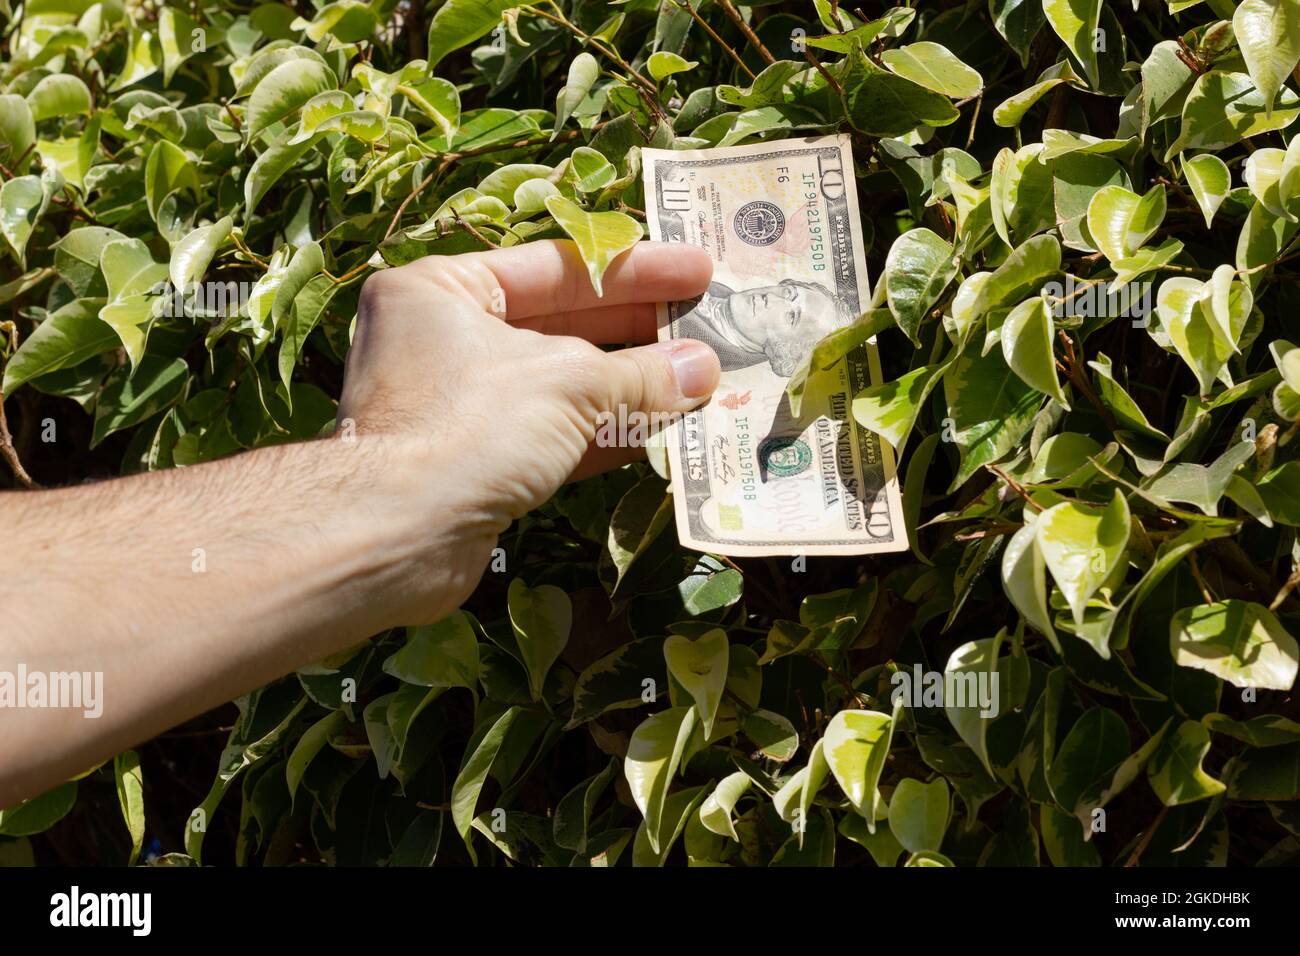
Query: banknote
780	220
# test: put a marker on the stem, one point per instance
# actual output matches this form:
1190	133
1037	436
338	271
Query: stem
730	10
833	83
559	19
1079	378
1015	486
10	454
1146	838
716	39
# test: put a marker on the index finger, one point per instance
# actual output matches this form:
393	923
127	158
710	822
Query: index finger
548	277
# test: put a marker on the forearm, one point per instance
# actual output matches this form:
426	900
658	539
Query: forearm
188	588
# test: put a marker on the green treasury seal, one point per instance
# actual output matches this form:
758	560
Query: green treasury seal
784	457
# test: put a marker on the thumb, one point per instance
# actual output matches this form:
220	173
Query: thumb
673	376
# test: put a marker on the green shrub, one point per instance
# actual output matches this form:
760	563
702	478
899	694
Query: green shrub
1102	493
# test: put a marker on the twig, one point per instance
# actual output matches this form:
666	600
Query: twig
1200	581
979	102
1285	591
1079	378
397	216
608	52
771	598
716	39
1227	550
347	276
474	232
10	454
1015	486
834	83
730	10
1146	838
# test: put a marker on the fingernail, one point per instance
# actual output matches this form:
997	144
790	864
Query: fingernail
694	365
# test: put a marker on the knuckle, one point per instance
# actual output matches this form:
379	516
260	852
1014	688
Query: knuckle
577	365
379	287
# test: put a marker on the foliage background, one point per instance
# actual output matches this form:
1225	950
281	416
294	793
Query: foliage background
299	147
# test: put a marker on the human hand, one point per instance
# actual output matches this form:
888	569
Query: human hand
481	377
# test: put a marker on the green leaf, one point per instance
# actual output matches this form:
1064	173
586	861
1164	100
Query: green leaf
66	338
918	268
573	813
1019	22
1280	491
934	67
307	262
653	756
167	170
615	681
59	94
1238	641
1024	578
22	203
1267	730
918	814
664	64
176	40
991	410
855	747
1210	182
1087	759
890	410
311	743
157	383
650	848
1121	221
1175	770
717	810
1272	774
284	91
1028	336
192	255
473	774
600	236
1064	840
308	307
39	813
1077	23
444	654
1021	275
973	659
17	131
129	778
1082	545
459	22
583	72
269	167
1268	35
1198	339
700	666
774	735
542	618
348	21
880	103
1225	108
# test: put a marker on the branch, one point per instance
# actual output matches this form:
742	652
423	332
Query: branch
714	34
10	454
730	10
